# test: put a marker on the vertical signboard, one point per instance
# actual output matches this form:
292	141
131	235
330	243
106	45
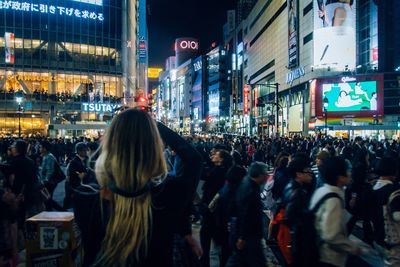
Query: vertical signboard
142	32
293	33
231	20
313	86
197	99
9	51
246	92
335	33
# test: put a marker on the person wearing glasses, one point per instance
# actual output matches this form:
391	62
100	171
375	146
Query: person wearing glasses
295	200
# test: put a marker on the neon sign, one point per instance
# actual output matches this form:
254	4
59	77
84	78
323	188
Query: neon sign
100	108
51	9
348	79
246	99
189	45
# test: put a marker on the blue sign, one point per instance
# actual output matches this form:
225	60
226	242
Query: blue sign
51	9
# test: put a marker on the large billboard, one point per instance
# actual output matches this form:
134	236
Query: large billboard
293	32
65	9
197	89
359	96
335	33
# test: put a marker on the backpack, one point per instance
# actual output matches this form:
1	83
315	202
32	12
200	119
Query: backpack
58	175
267	196
311	243
391	222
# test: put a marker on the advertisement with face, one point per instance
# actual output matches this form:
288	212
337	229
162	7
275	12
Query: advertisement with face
335	33
292	34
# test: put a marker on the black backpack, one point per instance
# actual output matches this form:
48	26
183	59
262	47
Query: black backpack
311	240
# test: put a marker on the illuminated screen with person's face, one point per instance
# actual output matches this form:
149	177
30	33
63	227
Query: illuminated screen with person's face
351	96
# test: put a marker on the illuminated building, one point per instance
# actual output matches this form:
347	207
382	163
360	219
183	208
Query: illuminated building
61	56
309	56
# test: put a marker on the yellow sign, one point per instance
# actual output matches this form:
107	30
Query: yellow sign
154	73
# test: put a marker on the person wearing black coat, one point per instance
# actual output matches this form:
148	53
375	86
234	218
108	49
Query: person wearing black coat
22	185
77	172
214	182
249	226
170	196
296	199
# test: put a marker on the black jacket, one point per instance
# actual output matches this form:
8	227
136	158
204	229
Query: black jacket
213	183
171	200
249	210
25	176
76	165
379	198
296	200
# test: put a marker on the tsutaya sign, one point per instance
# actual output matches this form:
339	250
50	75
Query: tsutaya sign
23	6
295	74
99	107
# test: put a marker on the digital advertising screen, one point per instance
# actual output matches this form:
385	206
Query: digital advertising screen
361	96
335	33
351	96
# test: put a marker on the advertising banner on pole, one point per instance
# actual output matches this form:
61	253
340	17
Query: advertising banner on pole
9	51
293	33
335	33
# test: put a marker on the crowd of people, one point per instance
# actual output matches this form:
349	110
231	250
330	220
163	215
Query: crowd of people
303	195
66	96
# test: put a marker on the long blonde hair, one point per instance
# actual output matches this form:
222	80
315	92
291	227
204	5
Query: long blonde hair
131	155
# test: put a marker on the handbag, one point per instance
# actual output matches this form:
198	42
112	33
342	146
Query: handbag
45	194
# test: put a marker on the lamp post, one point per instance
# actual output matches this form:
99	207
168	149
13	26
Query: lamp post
326	104
19	102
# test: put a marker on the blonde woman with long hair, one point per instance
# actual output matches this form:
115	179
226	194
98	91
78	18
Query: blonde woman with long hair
146	206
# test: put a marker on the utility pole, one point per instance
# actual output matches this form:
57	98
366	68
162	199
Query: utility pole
277	107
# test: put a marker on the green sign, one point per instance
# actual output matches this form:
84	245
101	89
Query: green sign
351	96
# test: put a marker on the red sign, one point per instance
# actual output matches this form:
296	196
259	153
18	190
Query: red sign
375	54
246	99
313	86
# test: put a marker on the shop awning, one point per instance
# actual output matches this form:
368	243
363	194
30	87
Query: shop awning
365	127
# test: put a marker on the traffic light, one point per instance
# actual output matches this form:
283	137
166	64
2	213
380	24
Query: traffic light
141	100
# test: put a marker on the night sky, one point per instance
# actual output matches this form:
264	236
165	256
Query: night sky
171	19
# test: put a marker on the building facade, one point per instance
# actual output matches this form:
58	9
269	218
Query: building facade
69	64
308	73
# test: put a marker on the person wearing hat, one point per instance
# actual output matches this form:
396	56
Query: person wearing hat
249	248
76	172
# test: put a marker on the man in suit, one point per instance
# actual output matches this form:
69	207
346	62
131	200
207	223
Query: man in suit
77	172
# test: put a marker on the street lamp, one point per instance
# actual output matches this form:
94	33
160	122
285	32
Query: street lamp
326	104
20	109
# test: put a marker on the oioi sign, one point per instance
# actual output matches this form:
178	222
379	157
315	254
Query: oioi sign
187	44
50	9
99	107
